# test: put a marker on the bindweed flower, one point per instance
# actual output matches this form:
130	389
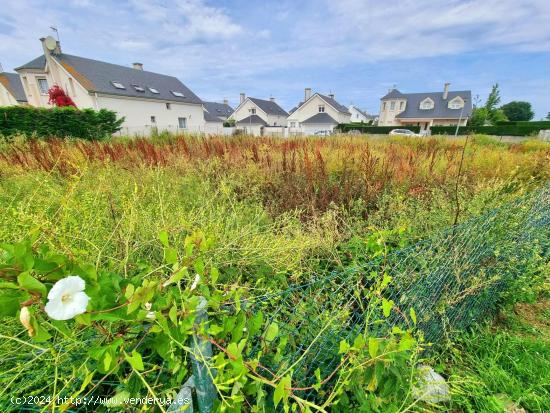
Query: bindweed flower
25	318
67	298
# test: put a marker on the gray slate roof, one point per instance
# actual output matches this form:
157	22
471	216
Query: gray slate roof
12	82
320	119
334	104
211	118
441	109
269	107
252	120
97	76
218	109
392	94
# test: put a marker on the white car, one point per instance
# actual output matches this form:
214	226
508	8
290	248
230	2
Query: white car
403	132
323	133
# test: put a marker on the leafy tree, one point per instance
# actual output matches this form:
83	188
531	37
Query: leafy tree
548	116
478	117
518	111
493	99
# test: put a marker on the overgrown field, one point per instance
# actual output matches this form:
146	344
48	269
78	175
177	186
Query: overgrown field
150	225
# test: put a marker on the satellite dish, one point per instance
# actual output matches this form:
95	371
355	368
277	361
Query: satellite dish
50	43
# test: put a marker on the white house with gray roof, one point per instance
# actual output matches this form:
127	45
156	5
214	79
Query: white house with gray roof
145	99
427	109
215	114
260	117
11	90
317	113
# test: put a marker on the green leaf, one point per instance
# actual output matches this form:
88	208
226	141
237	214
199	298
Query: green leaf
173	315
359	342
163	237
233	350
31	284
170	255
118	399
387	305
344	347
272	332
373	347
281	391
135	360
255	323
413	315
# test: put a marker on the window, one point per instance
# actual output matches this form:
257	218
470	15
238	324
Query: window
392	105
401	104
153	90
138	88
252	111
178	94
384	106
427	104
456	103
153	119
292	124
182	123
321	109
43	86
168	106
118	85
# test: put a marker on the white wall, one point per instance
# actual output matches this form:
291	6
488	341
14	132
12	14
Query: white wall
357	116
6	98
138	112
243	112
387	115
309	109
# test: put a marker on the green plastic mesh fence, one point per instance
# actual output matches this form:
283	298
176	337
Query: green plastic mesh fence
452	280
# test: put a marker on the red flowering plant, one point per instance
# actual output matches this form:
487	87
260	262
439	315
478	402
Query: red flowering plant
59	98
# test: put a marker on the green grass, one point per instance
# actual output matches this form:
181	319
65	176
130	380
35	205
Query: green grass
503	362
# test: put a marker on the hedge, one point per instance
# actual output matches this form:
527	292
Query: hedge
542	124
58	122
519	129
364	128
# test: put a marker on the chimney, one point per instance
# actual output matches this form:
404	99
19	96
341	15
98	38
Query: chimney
137	66
225	102
331	95
243	97
446	91
307	93
272	99
50	46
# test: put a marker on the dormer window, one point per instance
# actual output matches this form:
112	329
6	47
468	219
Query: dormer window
392	105
118	85
456	103
153	90
321	109
401	105
427	104
138	88
178	94
252	111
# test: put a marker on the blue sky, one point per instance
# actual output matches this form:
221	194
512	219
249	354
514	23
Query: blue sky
355	49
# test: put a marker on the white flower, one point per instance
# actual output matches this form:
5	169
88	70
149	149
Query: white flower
67	298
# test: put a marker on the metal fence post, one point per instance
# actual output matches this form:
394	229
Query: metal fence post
204	385
201	380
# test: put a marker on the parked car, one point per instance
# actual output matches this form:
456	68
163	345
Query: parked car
403	132
323	133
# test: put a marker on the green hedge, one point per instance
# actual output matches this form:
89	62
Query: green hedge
519	129
542	124
58	122
364	128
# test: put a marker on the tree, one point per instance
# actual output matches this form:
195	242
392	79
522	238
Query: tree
59	98
494	114
518	111
548	116
478	117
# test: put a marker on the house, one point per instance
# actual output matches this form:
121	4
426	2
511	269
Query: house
215	114
260	117
317	114
444	108
357	115
148	101
11	90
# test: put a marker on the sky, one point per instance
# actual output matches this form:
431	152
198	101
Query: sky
352	48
